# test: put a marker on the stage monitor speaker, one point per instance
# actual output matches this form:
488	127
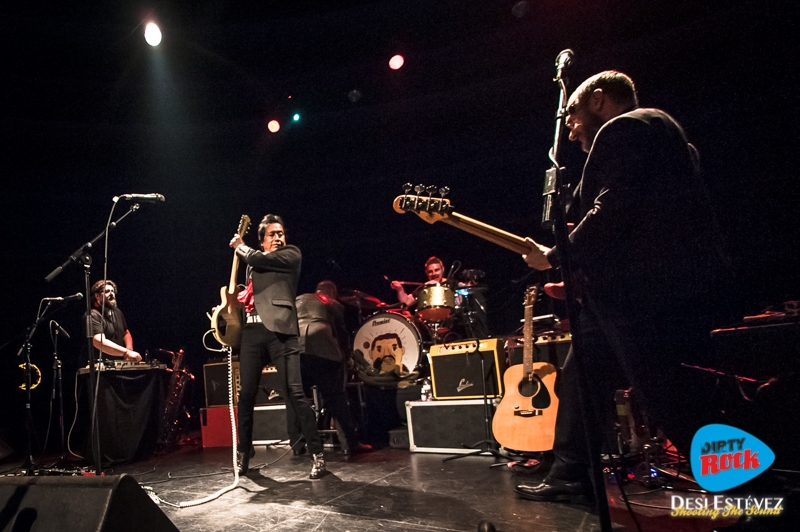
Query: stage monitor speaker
5	450
75	504
456	369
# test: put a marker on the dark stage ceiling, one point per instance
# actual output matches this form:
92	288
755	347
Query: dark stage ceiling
91	112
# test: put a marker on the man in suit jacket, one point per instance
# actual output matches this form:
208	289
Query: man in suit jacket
646	267
270	335
325	348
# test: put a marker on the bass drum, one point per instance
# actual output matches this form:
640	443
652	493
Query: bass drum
392	342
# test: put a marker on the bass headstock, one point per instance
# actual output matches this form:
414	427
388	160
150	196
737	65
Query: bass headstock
429	208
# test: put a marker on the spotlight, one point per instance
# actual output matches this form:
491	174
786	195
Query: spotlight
396	62
296	117
152	34
274	126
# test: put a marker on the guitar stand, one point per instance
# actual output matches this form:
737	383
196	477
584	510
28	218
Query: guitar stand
487	446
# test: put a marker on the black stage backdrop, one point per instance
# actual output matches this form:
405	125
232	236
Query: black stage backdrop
89	112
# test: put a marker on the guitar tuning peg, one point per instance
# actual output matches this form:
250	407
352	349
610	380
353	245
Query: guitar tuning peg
407	188
419	188
444	191
431	189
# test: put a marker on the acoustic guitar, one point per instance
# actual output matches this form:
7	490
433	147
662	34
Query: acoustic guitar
226	321
525	419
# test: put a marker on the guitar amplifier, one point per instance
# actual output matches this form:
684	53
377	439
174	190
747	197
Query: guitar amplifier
448	426
551	347
269	425
456	369
216	385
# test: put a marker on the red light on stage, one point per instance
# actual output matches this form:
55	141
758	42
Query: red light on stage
274	126
396	62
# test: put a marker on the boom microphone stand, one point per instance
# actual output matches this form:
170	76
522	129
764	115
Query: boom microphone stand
82	256
554	218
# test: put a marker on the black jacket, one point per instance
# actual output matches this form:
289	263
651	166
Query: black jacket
275	276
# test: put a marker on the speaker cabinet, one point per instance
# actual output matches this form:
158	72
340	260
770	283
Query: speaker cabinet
448	426
456	369
269	425
114	503
270	391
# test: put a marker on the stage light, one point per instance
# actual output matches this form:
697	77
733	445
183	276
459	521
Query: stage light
396	62
152	34
296	117
274	126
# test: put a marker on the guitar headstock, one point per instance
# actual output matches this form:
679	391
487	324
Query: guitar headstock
244	225
429	208
531	294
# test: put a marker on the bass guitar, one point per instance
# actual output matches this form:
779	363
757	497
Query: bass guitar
432	210
226	321
525	419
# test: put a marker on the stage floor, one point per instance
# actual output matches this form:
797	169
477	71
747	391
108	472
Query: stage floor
387	489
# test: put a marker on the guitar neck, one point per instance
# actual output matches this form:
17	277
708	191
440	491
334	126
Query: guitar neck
527	341
234	269
487	232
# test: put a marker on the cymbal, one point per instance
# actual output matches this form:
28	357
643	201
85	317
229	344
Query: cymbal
472	275
359	299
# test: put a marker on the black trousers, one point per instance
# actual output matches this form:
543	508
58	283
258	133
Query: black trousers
328	377
644	352
260	347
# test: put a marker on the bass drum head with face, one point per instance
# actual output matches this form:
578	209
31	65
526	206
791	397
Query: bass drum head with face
387	339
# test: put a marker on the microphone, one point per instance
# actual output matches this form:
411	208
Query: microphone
73	297
564	59
144	198
60	329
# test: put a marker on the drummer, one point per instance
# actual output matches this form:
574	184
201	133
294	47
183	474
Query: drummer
434	270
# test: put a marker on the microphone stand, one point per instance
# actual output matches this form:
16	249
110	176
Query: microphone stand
58	383
30	464
554	218
82	256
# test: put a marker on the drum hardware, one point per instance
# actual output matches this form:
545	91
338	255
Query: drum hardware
363	302
472	276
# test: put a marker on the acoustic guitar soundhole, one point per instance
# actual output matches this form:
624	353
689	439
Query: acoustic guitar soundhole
536	389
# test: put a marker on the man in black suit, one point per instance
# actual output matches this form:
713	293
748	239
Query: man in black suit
325	347
646	269
270	335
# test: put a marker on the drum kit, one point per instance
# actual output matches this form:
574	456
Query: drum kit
393	338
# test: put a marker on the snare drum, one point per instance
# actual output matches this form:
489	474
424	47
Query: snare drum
391	342
435	302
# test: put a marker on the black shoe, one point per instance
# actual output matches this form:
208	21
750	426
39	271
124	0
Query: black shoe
318	466
300	450
358	448
554	490
243	460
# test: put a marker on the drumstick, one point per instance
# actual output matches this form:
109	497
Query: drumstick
404	282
